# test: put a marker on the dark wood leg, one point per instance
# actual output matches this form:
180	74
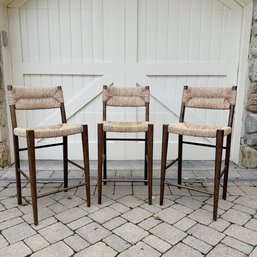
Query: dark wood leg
225	180
150	162
180	154
17	167
105	156
100	161
218	159
65	162
145	163
165	138
85	148
32	172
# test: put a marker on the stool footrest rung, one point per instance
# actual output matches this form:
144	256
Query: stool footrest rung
61	190
187	187
124	180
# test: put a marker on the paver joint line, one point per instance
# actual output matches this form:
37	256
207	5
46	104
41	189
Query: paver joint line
125	225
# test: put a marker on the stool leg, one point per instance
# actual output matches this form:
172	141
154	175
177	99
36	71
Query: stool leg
150	162
85	149
225	181
100	161
105	156
165	138
17	167
218	159
65	162
32	172
145	163
180	154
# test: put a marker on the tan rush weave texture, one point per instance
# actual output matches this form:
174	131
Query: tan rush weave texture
129	96
35	98
59	130
125	126
195	130
210	98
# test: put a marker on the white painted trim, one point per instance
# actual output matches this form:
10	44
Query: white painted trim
244	3
242	80
231	4
4	2
81	100
182	69
16	3
6	73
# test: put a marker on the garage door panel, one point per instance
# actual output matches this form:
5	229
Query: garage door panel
195	30
58	32
162	35
165	44
76	28
182	31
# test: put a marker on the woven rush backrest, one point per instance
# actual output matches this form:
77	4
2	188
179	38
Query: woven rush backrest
126	96
35	98
209	98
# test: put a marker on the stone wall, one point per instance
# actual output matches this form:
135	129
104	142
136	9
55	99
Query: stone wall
4	148
249	140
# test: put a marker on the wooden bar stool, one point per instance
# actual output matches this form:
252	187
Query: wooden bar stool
125	97
203	98
21	98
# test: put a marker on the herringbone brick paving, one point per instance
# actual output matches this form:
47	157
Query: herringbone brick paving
125	225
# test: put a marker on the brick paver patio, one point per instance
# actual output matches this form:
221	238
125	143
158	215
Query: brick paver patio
125	225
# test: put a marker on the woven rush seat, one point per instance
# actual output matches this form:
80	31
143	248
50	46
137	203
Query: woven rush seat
125	126
59	130
195	130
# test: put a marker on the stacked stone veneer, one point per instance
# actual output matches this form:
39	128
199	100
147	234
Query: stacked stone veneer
249	140
4	149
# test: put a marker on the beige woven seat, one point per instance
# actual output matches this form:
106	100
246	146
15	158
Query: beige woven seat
219	99
196	130
125	97
117	126
22	98
59	130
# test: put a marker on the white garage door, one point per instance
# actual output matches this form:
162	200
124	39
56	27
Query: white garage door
84	44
